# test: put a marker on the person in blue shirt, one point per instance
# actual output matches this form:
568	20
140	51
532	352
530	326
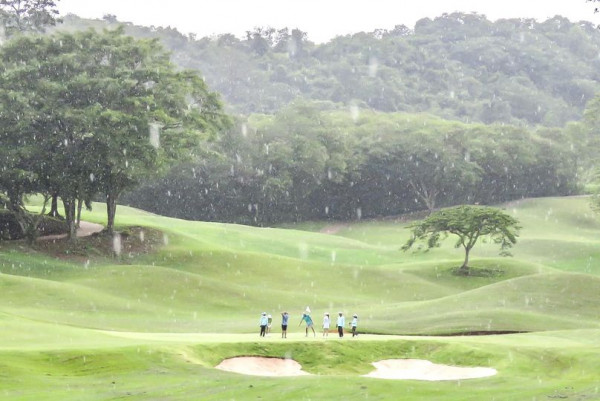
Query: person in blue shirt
341	322
353	324
263	323
309	324
284	324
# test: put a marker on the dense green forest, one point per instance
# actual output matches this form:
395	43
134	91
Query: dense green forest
313	161
457	66
460	110
457	110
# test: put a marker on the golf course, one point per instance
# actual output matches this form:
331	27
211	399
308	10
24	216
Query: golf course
152	317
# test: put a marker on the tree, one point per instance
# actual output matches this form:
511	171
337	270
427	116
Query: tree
47	122
469	224
144	114
20	153
27	15
101	112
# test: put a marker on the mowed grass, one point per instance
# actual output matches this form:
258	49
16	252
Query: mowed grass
153	326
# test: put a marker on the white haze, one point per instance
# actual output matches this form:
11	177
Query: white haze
321	19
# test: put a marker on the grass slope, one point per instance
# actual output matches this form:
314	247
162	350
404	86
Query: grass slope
88	327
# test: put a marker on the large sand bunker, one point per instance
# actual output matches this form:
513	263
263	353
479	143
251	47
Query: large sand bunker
258	366
417	369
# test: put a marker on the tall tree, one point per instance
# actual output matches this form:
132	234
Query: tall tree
108	110
151	116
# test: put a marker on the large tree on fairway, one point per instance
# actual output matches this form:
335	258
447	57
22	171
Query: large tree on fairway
144	113
43	128
105	110
19	16
21	155
469	224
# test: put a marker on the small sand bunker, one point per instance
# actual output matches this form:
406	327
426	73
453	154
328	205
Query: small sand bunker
417	369
258	366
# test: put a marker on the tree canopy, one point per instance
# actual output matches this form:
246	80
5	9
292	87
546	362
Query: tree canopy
315	160
469	224
18	16
458	66
89	113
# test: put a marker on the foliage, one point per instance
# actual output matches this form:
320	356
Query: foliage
469	224
457	66
88	113
315	160
18	16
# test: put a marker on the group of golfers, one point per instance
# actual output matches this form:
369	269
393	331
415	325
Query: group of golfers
266	322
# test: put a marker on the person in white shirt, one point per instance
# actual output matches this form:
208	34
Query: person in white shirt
326	322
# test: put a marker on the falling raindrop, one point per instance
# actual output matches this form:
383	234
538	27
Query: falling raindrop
354	112
117	244
303	250
154	135
373	65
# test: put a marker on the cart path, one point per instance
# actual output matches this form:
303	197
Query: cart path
85	230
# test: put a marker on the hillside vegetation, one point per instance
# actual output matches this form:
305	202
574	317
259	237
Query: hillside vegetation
458	110
457	66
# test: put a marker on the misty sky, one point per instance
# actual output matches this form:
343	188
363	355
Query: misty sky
321	19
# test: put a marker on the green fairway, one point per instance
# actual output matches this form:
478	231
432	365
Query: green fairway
80	325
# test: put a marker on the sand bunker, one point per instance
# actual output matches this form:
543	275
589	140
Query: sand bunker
416	369
257	366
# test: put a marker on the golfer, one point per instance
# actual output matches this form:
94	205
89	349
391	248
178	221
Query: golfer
284	324
341	322
353	324
326	322
269	323
263	323
309	323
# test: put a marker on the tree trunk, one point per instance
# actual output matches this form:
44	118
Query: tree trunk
69	205
428	197
111	209
79	206
54	206
430	203
464	269
34	222
15	205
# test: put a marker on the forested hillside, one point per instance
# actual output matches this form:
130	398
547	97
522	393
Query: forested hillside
458	110
312	161
457	66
